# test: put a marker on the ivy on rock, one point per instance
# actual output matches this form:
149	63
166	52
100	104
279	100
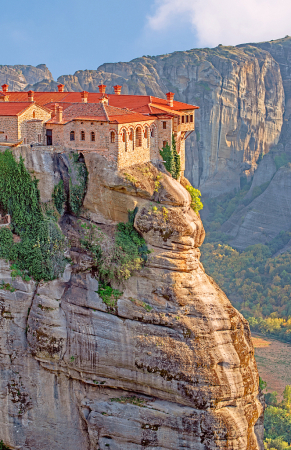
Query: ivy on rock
39	251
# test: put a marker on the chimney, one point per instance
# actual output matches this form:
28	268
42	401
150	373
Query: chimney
59	114
170	99
104	100
30	96
84	95
61	87
102	88
5	88
55	109
117	89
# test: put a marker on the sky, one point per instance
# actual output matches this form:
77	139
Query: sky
71	35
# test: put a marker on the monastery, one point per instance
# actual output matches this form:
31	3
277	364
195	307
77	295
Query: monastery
126	129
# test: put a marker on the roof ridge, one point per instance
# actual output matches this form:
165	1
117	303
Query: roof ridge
105	112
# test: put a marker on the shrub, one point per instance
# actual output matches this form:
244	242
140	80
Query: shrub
117	258
195	194
40	250
59	196
77	189
171	159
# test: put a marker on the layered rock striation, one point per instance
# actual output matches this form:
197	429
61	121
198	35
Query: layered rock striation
169	365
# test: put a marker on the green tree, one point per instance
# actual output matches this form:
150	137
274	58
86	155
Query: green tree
287	397
168	158
177	159
195	194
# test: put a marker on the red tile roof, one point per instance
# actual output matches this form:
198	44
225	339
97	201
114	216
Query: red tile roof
97	111
13	108
129	101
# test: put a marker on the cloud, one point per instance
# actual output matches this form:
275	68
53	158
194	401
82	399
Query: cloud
227	22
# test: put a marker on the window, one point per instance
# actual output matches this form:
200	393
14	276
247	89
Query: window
146	133
82	135
164	125
165	143
152	132
49	137
187	118
131	134
191	118
124	136
33	114
183	119
92	136
138	137
112	137
72	135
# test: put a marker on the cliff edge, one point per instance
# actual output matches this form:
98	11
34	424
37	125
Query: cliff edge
166	363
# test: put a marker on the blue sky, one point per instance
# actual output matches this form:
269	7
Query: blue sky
82	34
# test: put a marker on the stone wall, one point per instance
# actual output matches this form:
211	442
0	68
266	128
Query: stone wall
28	130
9	125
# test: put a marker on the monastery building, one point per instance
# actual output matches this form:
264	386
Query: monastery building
126	129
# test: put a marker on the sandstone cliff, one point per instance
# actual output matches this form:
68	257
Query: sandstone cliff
19	76
240	95
169	365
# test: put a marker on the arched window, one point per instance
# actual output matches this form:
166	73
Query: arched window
72	135
82	135
92	136
33	114
152	132
112	137
124	136
138	137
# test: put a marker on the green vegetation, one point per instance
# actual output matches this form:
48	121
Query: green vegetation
257	284
7	286
40	251
116	258
172	159
3	447
176	160
109	295
77	189
278	421
195	194
59	197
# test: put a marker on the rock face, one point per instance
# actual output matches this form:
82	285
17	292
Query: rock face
239	91
169	366
19	76
240	95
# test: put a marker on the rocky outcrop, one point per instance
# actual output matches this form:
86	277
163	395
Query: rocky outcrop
240	95
239	91
19	76
280	49
268	214
169	366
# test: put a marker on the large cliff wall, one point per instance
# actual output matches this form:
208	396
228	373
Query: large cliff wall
169	366
20	76
240	95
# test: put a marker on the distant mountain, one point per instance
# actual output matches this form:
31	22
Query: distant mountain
19	76
241	92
